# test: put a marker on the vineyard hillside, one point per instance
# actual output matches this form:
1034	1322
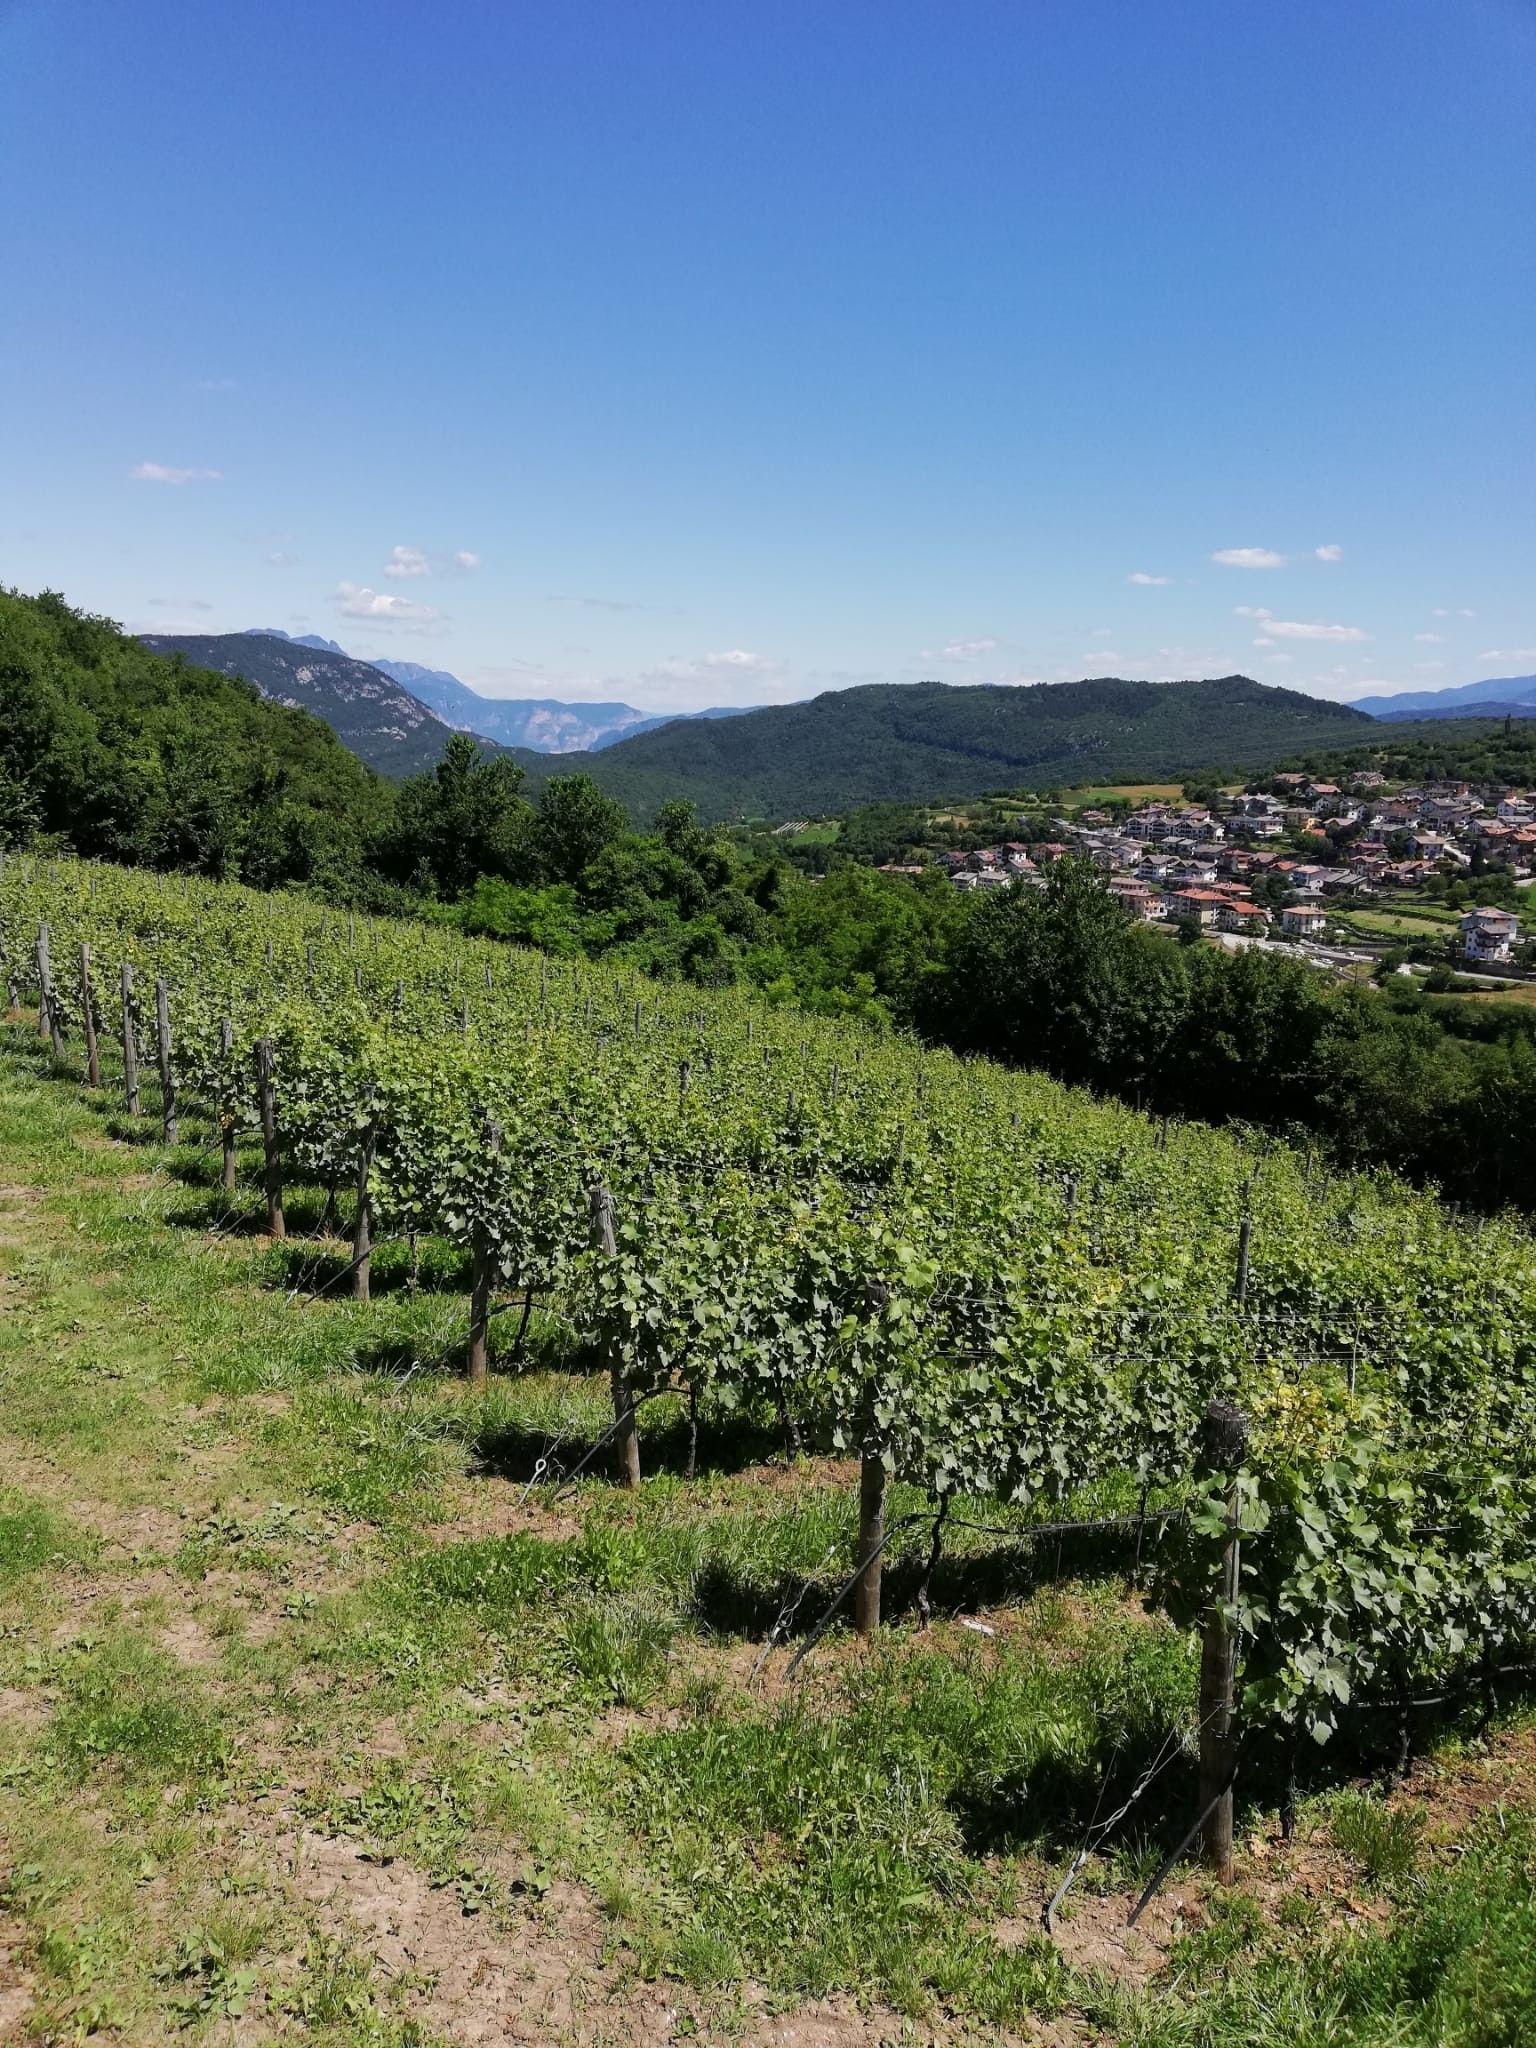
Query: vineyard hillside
546	1502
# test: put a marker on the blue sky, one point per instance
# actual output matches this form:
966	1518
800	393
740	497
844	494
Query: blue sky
712	353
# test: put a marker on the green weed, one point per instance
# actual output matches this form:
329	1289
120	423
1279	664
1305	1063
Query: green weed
1383	1840
30	1539
125	1704
618	1646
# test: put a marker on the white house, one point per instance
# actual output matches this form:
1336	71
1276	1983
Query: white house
1303	921
1489	934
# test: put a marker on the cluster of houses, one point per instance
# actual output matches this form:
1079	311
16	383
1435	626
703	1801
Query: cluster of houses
1192	862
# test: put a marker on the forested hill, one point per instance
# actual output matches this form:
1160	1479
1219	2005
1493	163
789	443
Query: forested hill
138	757
371	713
926	740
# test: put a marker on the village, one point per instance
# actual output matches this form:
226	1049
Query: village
1302	864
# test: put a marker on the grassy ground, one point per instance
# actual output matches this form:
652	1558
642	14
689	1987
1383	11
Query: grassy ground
1133	792
323	1715
1395	924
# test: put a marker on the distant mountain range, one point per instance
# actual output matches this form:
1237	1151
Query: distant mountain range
916	741
1499	697
547	725
904	742
373	715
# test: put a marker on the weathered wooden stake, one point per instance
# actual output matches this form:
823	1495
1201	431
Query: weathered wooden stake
169	1125
226	1110
477	1364
49	1023
362	1231
1244	1239
866	1593
130	1046
602	1237
1225	1441
88	1016
272	1171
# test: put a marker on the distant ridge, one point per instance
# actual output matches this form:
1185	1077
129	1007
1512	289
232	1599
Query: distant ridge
370	713
547	725
1498	697
914	741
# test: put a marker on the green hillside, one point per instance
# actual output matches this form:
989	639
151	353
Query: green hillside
139	757
1485	750
931	740
372	715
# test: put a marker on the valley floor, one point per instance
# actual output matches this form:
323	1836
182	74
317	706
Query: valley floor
325	1714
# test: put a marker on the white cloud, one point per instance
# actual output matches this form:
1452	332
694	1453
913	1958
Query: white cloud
357	601
1263	642
1248	558
731	661
405	561
1278	660
164	473
1299	629
961	650
466	559
280	560
1147	582
739	658
1428	667
1440	612
1430	639
1331	553
1465	614
1508	654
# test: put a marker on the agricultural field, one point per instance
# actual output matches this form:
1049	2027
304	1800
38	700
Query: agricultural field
1395	924
1133	793
540	1506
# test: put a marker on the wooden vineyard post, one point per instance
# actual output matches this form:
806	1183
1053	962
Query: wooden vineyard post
603	1239
1244	1240
226	1110
168	1121
362	1225
866	1592
49	1023
130	1046
272	1176
88	1016
872	1476
1226	1439
477	1364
